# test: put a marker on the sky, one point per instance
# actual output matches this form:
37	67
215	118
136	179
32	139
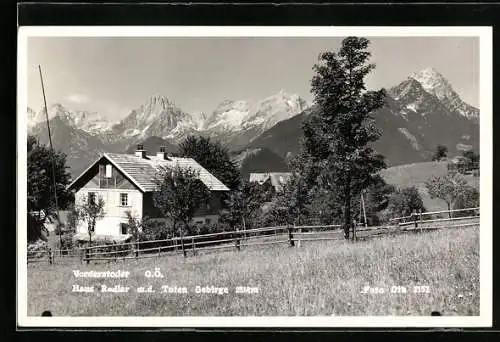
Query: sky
113	75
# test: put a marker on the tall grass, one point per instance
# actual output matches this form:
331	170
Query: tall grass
319	278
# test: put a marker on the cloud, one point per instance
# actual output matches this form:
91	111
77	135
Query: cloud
112	110
77	98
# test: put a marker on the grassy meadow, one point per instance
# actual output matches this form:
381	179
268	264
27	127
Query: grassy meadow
416	174
319	278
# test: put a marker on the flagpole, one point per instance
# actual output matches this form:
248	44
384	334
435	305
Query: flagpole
53	160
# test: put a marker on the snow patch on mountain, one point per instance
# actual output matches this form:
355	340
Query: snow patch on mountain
274	109
231	117
463	147
412	106
90	122
413	140
228	116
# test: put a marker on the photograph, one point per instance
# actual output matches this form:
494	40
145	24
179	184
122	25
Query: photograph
254	176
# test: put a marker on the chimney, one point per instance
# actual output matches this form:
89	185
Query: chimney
140	152
163	153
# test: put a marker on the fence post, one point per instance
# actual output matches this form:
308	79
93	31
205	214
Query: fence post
192	245
414	214
137	244
290	237
300	231
420	214
87	256
50	256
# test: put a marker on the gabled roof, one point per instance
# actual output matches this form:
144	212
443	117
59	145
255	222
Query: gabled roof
142	171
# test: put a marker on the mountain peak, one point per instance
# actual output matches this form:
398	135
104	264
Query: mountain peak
429	71
432	81
436	84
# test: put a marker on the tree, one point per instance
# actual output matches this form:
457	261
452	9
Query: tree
89	211
404	202
449	188
376	198
441	153
472	158
134	225
338	135
469	198
40	184
178	195
72	219
213	157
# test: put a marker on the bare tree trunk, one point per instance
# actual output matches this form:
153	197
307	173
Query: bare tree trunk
347	211
244	226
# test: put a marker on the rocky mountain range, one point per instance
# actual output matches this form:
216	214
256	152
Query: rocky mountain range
420	112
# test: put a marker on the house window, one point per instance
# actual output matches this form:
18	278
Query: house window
92	197
124	200
109	171
208	221
123	228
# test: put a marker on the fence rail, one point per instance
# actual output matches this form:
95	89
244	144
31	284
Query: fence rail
418	215
235	240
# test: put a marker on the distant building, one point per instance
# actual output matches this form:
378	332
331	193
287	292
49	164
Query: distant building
126	183
277	179
458	164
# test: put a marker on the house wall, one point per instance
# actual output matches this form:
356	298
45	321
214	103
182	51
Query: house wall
114	213
202	215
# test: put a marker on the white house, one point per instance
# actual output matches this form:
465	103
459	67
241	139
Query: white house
126	183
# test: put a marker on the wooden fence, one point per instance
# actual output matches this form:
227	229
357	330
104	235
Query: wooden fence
419	216
292	236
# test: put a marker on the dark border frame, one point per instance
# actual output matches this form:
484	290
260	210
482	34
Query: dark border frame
283	14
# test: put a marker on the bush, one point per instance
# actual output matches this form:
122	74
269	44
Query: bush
468	199
36	229
405	201
37	249
68	243
156	229
109	247
201	229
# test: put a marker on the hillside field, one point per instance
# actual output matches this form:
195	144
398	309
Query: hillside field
416	174
438	270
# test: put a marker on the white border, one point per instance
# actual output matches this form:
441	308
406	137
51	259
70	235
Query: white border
486	139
